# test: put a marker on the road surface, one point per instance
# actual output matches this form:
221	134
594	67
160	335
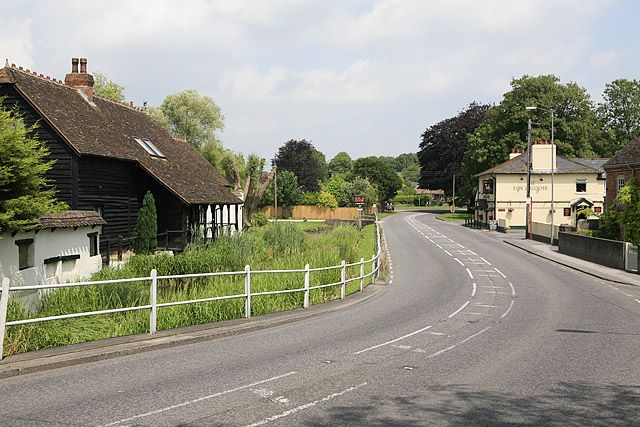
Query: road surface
470	331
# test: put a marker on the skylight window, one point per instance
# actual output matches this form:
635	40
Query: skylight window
149	147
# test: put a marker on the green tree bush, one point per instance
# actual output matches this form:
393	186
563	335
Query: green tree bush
25	193
326	199
147	226
107	88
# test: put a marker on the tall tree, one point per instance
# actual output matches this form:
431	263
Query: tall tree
381	174
577	133
25	193
340	164
444	144
107	88
146	230
302	158
620	112
255	185
190	115
288	190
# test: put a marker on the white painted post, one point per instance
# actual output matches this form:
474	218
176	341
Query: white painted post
361	274
247	291
374	269
306	286
4	303
153	314
343	288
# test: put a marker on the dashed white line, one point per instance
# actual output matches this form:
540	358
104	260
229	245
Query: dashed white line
473	292
459	310
508	310
447	252
394	340
469	272
500	273
306	406
200	399
485	260
451	347
459	262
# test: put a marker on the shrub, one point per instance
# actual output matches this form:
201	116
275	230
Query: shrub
310	198
327	199
259	219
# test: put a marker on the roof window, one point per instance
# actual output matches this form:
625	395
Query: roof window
149	147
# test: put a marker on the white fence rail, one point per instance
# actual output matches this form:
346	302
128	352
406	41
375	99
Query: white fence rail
153	279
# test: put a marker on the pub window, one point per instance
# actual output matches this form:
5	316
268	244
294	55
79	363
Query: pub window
487	186
93	244
581	185
25	253
619	183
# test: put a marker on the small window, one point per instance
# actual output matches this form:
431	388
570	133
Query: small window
25	253
149	147
619	183
581	185
93	244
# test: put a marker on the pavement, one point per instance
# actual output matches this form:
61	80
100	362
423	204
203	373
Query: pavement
544	250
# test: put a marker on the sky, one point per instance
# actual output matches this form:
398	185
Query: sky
365	77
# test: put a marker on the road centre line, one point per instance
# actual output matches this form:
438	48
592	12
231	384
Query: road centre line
306	405
513	290
394	340
459	262
485	260
200	399
473	292
500	273
459	310
637	300
451	347
447	252
469	272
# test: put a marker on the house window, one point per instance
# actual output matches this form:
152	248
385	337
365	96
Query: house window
619	183
149	147
93	244
581	185
25	253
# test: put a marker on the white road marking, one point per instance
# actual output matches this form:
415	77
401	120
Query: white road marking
508	310
485	260
477	314
394	340
451	347
637	300
402	347
435	333
487	305
459	262
459	310
513	290
306	406
469	272
495	293
500	273
460	245
447	252
200	399
473	292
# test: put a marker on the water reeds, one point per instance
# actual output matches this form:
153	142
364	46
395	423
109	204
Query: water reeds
278	246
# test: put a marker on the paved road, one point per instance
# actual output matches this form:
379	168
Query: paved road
470	332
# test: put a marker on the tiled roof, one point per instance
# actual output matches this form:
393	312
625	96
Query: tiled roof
70	219
627	155
107	128
518	165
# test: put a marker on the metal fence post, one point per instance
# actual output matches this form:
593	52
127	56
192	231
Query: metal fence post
374	269
4	303
247	291
306	286
153	297
361	274
343	288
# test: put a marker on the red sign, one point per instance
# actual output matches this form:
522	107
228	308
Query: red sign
597	209
567	211
359	200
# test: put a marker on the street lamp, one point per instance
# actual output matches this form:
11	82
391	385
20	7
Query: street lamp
552	112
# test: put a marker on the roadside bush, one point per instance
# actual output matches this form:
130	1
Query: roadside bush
259	219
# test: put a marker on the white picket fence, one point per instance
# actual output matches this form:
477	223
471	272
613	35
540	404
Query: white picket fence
153	279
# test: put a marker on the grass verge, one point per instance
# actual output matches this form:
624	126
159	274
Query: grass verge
276	246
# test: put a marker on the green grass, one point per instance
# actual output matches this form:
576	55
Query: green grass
454	217
276	246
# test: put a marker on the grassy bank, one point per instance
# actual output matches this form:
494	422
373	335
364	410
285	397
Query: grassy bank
454	217
276	246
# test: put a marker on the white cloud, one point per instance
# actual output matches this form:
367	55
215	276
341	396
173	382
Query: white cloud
15	42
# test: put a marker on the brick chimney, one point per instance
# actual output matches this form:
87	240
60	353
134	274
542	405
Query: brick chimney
81	81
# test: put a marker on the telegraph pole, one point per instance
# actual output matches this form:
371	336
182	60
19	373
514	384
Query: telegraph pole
275	190
529	206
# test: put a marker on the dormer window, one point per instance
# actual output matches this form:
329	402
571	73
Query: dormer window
149	147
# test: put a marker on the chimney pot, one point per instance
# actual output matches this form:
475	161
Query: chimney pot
83	65
13	65
82	81
74	65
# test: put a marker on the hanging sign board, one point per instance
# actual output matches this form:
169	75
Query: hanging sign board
567	211
358	200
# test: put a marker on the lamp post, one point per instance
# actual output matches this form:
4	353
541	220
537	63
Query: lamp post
553	158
